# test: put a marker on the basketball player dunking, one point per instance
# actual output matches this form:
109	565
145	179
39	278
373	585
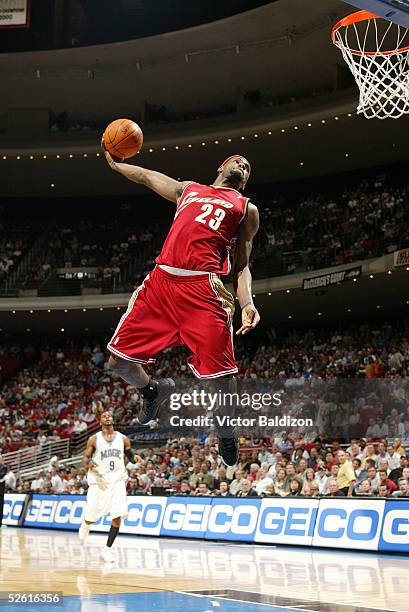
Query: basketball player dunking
183	300
104	458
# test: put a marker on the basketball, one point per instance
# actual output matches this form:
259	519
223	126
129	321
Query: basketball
123	138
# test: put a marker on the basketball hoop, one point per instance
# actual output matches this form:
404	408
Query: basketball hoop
377	53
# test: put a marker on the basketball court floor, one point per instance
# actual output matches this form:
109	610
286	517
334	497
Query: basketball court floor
195	576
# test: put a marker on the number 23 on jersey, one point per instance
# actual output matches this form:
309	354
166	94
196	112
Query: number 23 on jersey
211	217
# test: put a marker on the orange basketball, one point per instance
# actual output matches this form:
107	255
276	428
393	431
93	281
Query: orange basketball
123	138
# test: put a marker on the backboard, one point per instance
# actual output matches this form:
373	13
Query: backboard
393	10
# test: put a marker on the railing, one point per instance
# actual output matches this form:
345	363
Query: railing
35	456
79	441
25	462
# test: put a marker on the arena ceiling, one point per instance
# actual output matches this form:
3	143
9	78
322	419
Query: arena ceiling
282	49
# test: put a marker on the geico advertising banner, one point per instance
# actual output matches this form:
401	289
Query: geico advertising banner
395	527
145	514
13	508
287	521
14	13
349	523
187	518
335	522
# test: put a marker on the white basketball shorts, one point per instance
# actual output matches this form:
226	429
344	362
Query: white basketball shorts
101	501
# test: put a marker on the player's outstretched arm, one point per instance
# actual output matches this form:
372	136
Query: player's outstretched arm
89	451
163	185
241	272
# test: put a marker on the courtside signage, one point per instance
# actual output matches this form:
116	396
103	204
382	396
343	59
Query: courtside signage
13	508
349	523
186	518
334	522
395	529
287	521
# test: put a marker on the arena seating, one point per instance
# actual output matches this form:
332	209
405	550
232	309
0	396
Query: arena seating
367	219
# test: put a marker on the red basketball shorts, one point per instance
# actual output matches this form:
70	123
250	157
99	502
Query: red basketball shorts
169	310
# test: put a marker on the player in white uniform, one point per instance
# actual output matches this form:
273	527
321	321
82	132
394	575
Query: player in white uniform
105	460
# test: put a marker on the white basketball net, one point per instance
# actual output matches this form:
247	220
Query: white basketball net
374	50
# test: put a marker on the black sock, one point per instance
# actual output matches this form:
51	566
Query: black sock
113	532
151	390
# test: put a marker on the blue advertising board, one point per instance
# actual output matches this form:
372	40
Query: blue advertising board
333	522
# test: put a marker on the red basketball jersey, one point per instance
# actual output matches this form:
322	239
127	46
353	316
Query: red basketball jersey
204	229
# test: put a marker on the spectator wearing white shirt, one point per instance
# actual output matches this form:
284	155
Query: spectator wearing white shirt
263	479
392	457
321	479
56	481
37	483
10	480
79	426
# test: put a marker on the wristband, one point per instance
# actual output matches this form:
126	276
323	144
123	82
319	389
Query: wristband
247	304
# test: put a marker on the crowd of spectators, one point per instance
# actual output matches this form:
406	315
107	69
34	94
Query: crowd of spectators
296	234
363	221
109	248
60	392
280	467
